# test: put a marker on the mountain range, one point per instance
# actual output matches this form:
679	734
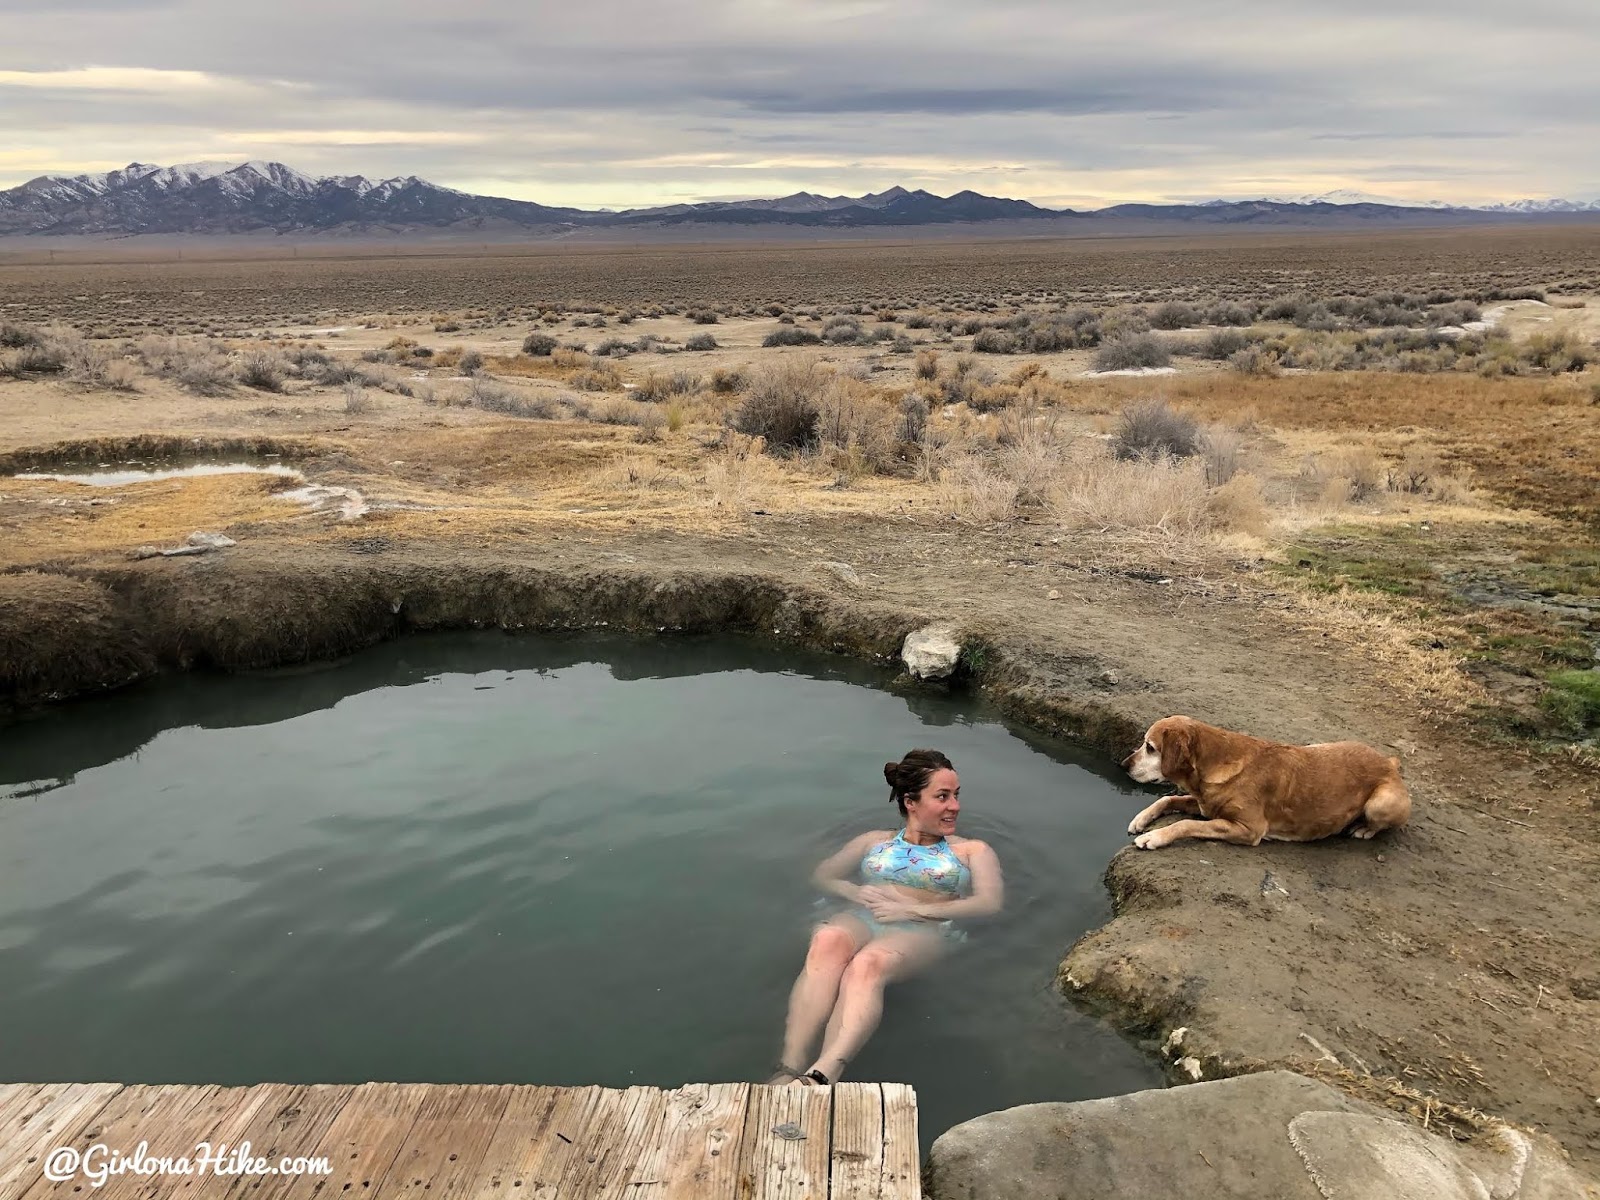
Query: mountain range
269	197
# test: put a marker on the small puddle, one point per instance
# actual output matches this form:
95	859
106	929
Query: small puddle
104	478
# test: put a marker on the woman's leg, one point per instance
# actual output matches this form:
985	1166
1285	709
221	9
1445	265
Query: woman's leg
817	987
882	961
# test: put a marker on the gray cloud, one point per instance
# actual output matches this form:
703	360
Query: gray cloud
616	103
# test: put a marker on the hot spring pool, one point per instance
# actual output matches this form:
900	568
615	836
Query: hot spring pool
479	858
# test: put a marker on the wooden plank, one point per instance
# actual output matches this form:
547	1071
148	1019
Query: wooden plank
15	1099
291	1120
696	1156
361	1144
59	1115
132	1116
446	1145
856	1153
772	1167
612	1148
43	1121
213	1123
902	1153
517	1141
539	1134
557	1175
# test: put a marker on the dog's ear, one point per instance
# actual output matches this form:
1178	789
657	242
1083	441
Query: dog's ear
1176	743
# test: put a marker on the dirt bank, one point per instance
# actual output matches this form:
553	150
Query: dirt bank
1457	958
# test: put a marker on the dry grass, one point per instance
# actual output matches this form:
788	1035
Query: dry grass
1532	441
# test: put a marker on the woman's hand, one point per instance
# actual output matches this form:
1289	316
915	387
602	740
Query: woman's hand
894	908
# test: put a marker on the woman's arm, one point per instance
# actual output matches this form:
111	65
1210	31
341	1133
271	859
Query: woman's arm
832	875
988	894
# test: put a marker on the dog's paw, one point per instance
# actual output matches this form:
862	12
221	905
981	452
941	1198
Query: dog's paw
1149	841
1138	825
1363	832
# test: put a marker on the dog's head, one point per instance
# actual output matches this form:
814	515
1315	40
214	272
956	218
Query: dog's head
1167	752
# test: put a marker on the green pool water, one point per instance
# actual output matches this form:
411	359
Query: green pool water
480	858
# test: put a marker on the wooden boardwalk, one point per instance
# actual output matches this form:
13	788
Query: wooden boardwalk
444	1141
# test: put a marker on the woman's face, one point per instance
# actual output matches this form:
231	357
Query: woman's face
934	811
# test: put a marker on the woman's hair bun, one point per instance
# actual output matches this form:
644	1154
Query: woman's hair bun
891	774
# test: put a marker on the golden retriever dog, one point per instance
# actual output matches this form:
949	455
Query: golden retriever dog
1246	789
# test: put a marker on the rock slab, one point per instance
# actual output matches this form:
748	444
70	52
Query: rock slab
1271	1136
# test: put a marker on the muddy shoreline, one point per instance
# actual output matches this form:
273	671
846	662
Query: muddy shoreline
1323	971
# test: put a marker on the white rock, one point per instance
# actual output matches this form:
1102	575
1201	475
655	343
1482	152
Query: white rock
843	571
931	652
211	541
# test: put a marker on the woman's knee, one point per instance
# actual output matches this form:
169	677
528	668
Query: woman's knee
870	967
831	946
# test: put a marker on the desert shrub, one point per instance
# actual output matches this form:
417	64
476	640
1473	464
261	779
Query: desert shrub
1122	322
355	398
1174	314
913	417
447	326
263	370
37	358
841	331
1131	351
539	345
780	404
851	418
306	361
1239	505
927	366
995	341
1222	449
1348	473
1254	360
1457	312
704	316
614	348
600	378
1159	494
205	375
14	337
1557	352
902	344
972	489
701	341
727	380
652	424
1222	344
1152	429
490	396
791	337
1228	313
470	361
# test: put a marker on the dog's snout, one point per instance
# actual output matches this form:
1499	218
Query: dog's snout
1127	763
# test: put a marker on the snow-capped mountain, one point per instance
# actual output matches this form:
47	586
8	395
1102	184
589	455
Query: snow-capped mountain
1352	196
1545	206
269	197
221	197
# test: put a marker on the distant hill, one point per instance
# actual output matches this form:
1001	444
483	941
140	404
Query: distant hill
269	197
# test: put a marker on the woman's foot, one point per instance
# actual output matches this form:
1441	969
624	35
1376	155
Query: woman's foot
812	1078
784	1074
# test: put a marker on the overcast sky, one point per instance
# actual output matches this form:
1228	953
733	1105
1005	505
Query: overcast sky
627	102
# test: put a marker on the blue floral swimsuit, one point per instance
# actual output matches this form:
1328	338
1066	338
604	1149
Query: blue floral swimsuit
934	868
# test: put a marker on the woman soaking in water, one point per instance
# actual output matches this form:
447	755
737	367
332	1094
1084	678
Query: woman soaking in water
910	887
